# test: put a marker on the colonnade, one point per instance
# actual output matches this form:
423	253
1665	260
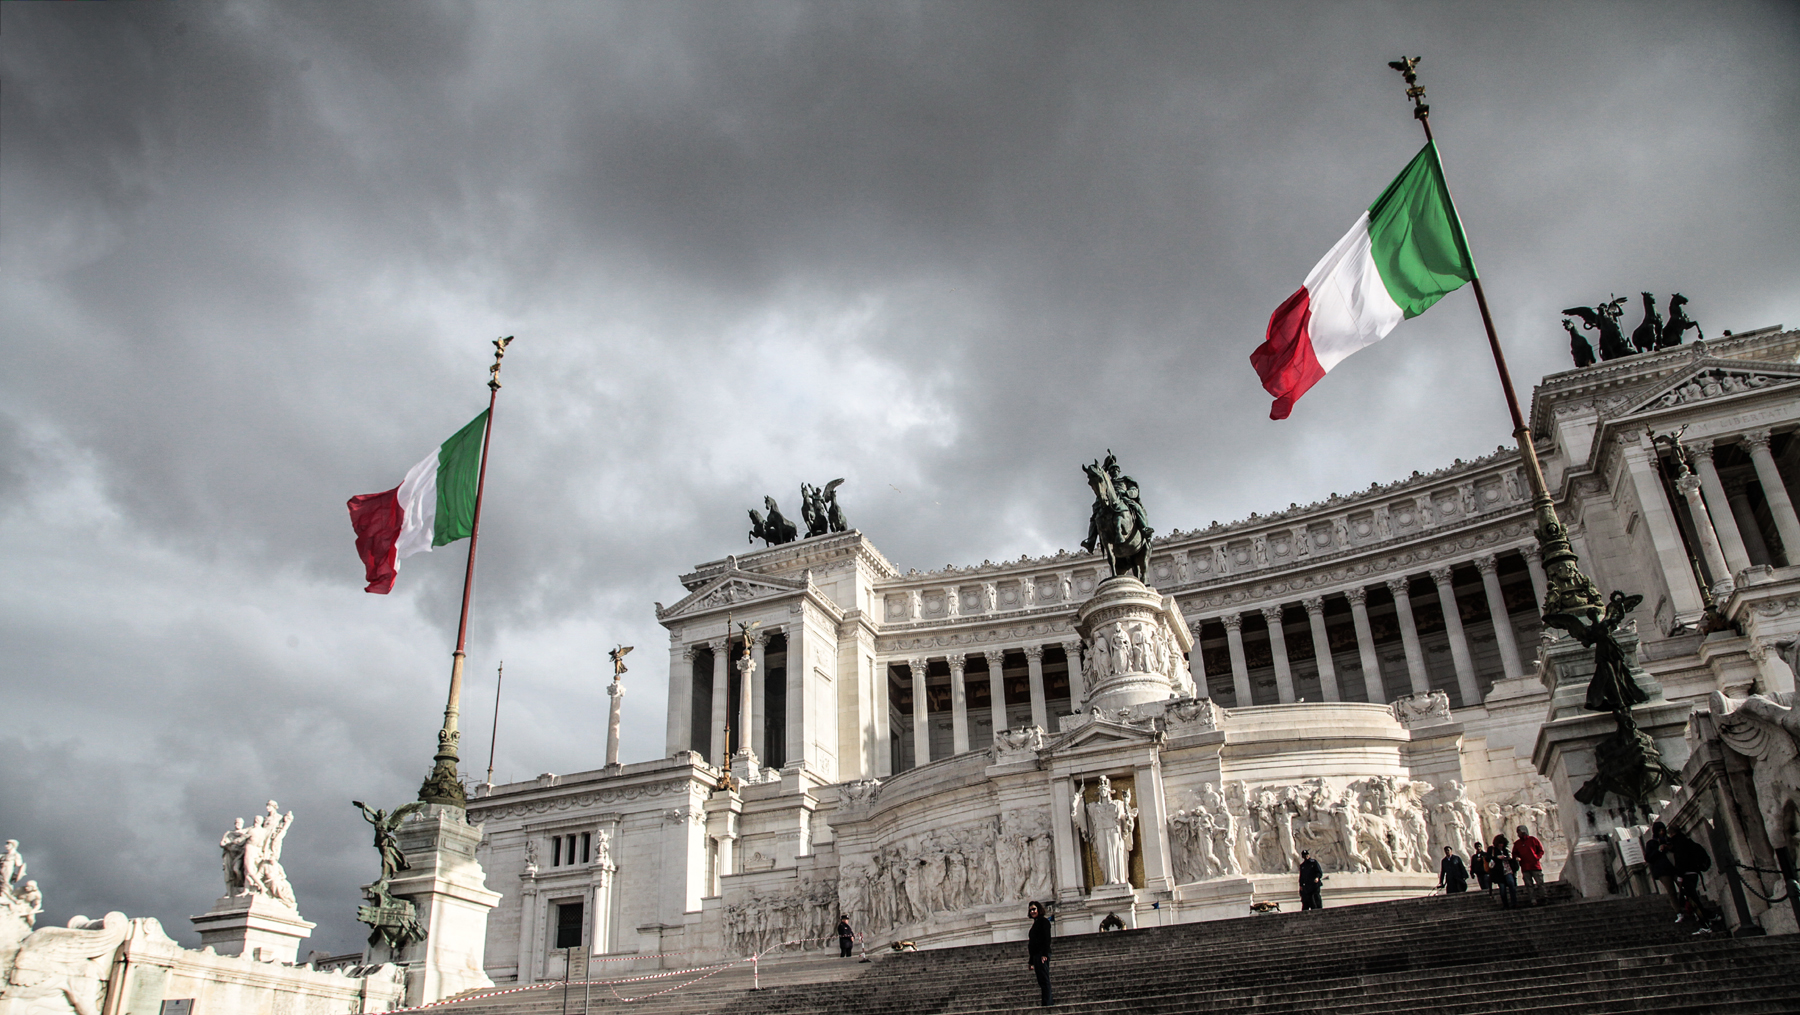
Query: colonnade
1399	587
752	704
920	667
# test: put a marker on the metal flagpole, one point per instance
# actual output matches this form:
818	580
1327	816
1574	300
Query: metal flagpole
494	735
443	785
1567	590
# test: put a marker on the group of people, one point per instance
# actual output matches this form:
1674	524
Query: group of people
1498	867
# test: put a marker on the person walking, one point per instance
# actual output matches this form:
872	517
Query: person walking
1529	852
1662	869
1312	882
1453	877
1038	951
846	936
1478	866
1502	871
1690	860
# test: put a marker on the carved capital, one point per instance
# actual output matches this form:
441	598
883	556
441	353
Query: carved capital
718	646
1441	575
918	667
1688	484
1397	587
1756	440
1700	449
958	662
996	658
1034	652
1315	607
1072	649
1232	621
1272	614
1358	596
1532	552
1487	565
688	654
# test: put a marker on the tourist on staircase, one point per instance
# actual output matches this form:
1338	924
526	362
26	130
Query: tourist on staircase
1478	867
846	937
1503	872
1691	860
1312	882
1038	951
1453	877
1529	852
1662	869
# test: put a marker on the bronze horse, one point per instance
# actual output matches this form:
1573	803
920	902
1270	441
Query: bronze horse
1116	527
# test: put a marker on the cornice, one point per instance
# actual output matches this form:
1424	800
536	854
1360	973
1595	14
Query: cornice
1765	345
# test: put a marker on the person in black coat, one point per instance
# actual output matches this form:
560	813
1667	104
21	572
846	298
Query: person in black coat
1312	879
1039	951
1453	877
845	935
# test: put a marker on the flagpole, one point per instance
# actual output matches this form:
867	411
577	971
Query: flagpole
494	734
443	785
1568	589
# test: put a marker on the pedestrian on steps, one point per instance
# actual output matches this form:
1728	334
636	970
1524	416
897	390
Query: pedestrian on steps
1503	872
1038	951
1530	854
1453	877
1662	869
1691	860
846	936
1478	866
1312	882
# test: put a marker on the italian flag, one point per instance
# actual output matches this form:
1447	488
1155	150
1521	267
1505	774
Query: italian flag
1402	255
434	505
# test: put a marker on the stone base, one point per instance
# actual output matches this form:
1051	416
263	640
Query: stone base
253	925
450	890
1135	641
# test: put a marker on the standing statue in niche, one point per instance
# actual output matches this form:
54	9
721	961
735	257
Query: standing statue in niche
1108	823
1118	524
1678	323
1648	336
1605	320
773	531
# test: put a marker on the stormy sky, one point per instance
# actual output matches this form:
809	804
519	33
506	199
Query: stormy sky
252	255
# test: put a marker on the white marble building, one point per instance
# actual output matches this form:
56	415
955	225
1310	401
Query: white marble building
1360	676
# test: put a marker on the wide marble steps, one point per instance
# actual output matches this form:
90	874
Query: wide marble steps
1443	955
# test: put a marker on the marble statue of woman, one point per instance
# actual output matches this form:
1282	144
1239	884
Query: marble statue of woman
1107	822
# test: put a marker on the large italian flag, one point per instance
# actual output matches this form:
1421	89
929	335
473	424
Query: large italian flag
434	505
1400	257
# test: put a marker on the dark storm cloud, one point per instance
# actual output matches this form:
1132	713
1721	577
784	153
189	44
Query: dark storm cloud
252	254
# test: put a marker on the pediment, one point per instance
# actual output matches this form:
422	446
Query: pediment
732	587
1711	379
1101	733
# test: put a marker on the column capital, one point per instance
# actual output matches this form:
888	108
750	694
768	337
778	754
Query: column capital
918	667
958	662
1756	440
1358	596
1698	449
1034	652
1194	627
1441	575
995	658
1315	607
689	652
1532	551
1688	484
1072	648
1272	614
1232	621
1398	587
1487	564
718	646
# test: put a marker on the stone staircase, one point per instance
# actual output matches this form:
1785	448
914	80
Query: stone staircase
1446	955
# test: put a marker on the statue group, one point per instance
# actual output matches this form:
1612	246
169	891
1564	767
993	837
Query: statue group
818	509
1650	335
252	856
1117	525
20	899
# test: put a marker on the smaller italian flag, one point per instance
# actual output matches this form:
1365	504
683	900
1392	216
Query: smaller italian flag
1404	254
434	505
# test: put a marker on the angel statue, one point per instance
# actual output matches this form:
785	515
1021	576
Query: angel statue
1766	729
1611	689
1108	823
393	861
1605	320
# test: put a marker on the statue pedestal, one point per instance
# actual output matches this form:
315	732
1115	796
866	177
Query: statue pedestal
1134	642
254	925
450	890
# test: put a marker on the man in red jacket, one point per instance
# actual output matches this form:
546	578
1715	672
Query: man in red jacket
1530	854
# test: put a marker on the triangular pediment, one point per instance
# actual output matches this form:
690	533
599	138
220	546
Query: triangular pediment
1100	733
732	587
1712	379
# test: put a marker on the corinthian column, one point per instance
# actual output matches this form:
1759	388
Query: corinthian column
1240	670
759	682
1197	664
1409	635
1459	640
1534	565
1489	566
1722	586
1737	555
1365	645
1775	492
721	694
996	661
921	714
1284	676
1077	686
1040	709
1328	682
680	732
959	706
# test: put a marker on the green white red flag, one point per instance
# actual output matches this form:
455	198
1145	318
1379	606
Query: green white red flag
434	505
1403	255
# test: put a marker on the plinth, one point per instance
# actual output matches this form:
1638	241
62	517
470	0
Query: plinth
1134	645
255	925
447	886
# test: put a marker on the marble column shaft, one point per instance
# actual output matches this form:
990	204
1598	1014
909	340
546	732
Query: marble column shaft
921	714
1508	642
680	729
721	691
997	687
1718	505
1365	645
1040	708
959	706
1460	657
1284	674
1710	550
1240	669
1197	663
759	684
1534	565
1738	493
1328	682
1659	523
1078	686
1409	636
1775	493
746	667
